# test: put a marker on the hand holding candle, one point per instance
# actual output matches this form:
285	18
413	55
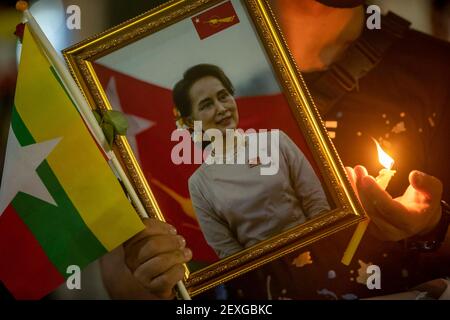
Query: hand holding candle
383	178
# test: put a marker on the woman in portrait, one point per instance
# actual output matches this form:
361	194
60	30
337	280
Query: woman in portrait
236	205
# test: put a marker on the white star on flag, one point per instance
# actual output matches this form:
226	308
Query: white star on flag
136	124
197	20
19	171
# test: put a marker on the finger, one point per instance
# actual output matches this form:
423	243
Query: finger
370	188
152	227
360	172
381	204
351	173
351	176
156	266
430	186
164	284
147	248
156	226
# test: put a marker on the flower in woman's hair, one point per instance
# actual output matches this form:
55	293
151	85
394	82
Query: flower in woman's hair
181	124
179	119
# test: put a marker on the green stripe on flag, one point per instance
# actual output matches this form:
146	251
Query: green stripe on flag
60	230
23	135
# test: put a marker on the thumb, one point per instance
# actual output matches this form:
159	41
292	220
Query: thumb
426	184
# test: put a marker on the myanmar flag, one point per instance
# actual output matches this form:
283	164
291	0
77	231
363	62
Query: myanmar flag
60	203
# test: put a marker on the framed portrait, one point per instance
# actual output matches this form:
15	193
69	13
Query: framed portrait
189	72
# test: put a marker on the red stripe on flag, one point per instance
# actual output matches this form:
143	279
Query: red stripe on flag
24	269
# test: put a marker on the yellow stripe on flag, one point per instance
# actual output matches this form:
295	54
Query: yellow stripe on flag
48	113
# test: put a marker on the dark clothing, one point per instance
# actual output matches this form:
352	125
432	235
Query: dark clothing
404	102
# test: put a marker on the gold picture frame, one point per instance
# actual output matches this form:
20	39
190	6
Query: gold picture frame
81	59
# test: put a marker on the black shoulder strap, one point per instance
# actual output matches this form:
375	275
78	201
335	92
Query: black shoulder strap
364	54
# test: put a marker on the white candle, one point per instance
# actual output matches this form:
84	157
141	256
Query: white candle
384	176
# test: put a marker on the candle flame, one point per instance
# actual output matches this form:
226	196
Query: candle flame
385	160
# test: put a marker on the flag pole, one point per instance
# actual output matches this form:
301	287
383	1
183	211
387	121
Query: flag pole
86	113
